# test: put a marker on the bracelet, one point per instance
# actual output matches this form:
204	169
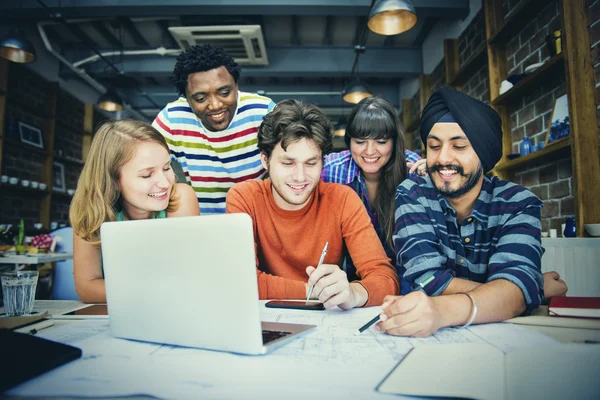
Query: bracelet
473	312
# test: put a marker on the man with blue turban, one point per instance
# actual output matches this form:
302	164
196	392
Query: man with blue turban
470	244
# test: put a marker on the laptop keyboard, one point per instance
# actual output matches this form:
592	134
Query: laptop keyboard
269	336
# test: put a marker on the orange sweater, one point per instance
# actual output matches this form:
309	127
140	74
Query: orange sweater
289	241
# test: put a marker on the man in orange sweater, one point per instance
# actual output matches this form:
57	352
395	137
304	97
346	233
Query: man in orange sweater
294	214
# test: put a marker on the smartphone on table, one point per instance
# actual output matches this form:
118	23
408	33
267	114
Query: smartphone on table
296	305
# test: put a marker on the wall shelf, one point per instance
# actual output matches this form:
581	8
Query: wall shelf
551	152
517	20
470	66
68	160
22	190
552	69
62	195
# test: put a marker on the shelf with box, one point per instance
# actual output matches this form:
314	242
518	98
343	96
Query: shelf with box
570	65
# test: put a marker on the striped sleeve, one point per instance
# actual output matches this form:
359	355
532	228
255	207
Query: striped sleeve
518	254
416	243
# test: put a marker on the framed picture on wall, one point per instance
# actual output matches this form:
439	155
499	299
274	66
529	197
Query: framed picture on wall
58	177
31	135
559	123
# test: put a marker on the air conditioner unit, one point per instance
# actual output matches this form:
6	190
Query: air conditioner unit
244	43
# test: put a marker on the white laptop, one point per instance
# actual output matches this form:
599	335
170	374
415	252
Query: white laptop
188	281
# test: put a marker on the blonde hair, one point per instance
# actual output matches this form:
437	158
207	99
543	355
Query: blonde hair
96	199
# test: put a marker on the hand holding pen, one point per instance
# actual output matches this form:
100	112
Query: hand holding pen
323	253
330	285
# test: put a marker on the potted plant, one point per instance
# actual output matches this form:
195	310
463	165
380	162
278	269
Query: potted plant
19	246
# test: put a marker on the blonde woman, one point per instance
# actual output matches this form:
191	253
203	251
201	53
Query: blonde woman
127	176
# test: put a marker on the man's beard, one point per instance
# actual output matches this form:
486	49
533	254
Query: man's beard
472	180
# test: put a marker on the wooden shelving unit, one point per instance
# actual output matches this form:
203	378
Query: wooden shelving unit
23	190
572	63
516	20
68	160
551	71
552	151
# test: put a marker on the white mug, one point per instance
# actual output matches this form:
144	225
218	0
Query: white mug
25	183
4	178
553	233
13	180
42	186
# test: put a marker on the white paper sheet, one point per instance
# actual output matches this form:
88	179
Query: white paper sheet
329	360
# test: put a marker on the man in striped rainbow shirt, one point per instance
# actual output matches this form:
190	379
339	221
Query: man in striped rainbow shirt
212	128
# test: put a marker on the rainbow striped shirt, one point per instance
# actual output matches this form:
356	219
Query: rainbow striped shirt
215	161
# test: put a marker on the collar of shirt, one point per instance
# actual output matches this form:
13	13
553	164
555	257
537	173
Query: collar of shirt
480	210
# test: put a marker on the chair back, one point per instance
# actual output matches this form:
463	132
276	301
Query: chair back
63	286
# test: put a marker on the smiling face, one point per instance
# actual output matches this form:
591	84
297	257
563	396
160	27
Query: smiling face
213	97
371	155
452	163
146	181
294	173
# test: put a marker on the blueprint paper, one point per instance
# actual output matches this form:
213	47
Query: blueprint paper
329	360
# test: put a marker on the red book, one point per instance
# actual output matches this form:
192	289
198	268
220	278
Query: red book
583	307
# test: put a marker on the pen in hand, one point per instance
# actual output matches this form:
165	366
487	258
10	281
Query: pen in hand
310	289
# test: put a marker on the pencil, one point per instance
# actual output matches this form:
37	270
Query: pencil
367	325
310	289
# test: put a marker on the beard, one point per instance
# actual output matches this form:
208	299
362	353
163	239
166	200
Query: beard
445	189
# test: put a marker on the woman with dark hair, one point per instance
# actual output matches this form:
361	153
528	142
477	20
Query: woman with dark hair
375	164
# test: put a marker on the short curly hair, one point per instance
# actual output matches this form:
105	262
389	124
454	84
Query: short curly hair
292	120
201	58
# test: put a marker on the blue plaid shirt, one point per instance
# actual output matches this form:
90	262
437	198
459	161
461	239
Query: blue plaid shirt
500	239
341	168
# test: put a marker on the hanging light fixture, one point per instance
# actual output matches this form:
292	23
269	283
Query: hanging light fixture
110	101
340	127
391	17
15	47
356	91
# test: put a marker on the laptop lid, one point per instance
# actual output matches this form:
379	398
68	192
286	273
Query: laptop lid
188	281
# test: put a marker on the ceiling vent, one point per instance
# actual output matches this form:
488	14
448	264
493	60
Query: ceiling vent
245	43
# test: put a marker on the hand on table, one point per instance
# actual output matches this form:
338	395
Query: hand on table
414	314
553	285
331	286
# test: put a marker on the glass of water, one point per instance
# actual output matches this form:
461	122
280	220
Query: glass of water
18	291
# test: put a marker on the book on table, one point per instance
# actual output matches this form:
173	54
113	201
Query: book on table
481	371
582	307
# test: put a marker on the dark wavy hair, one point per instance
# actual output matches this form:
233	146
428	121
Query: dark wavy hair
201	58
375	118
292	120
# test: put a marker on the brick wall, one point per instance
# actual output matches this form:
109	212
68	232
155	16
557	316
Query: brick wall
472	38
469	42
438	76
27	101
594	27
551	181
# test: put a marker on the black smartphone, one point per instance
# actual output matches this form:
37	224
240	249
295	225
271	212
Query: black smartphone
94	309
297	305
